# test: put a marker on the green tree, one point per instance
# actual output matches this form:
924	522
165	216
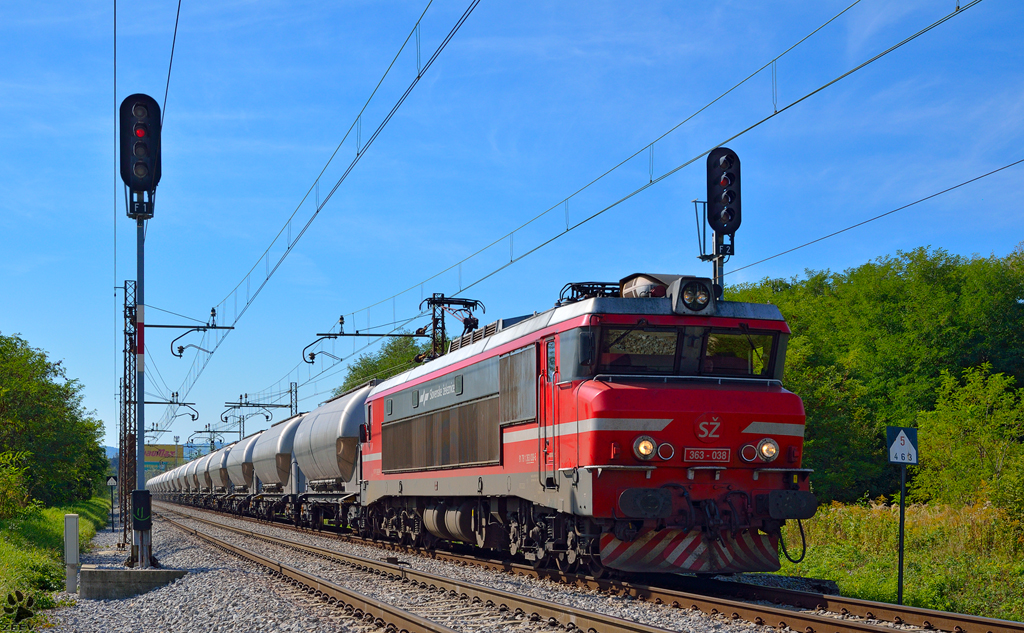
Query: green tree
13	494
41	416
869	346
394	357
971	443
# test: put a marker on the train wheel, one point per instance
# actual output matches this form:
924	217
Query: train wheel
596	567
564	564
593	561
540	563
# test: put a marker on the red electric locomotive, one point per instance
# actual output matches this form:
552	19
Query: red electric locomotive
639	426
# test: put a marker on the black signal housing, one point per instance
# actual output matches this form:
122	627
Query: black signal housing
140	143
723	208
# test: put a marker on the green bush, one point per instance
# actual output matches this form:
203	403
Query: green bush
966	560
971	448
32	547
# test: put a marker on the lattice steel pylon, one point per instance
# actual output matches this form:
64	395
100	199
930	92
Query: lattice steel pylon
126	437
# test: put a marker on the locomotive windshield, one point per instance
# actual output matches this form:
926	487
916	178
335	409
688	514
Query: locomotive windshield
635	350
688	351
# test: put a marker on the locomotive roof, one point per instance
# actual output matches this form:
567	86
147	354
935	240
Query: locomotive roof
597	305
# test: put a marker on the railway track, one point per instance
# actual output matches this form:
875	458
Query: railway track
357	605
687	591
532	613
839	621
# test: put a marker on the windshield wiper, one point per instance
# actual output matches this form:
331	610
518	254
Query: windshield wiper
745	328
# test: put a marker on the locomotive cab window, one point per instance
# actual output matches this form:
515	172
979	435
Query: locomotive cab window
686	351
730	353
638	350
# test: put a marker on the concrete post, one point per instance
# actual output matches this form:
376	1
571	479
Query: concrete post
71	552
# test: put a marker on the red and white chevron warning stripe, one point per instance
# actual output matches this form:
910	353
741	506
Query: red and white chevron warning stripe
691	551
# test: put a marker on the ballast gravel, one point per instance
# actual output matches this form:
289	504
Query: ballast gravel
662	616
227	595
220	594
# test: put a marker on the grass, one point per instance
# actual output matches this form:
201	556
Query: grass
32	549
966	560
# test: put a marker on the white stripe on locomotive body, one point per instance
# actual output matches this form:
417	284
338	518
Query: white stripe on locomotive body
375	457
589	425
775	428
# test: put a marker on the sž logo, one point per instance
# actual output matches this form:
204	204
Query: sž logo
19	607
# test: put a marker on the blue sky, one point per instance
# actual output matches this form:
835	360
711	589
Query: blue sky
527	104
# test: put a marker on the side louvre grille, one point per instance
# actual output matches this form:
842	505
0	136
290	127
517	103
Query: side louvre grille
517	386
466	435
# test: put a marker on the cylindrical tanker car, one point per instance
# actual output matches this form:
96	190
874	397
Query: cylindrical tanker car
643	432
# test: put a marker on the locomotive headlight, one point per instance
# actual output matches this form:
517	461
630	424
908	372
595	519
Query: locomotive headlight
644	447
768	449
696	296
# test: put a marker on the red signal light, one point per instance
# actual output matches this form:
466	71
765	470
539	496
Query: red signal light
725	181
140	130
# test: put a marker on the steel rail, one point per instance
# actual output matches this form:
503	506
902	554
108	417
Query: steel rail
354	603
916	616
571	617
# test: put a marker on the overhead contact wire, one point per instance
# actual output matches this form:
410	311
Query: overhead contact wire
878	217
616	166
654	181
706	152
362	151
174	40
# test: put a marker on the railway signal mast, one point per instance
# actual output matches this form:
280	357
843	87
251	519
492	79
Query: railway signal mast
140	170
722	209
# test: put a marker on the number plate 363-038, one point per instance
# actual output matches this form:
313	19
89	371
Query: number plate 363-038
706	454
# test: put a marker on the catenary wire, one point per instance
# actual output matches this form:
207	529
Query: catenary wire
613	168
324	375
174	40
877	217
187	384
149	361
333	154
672	171
695	158
606	173
152	307
731	138
429	62
354	162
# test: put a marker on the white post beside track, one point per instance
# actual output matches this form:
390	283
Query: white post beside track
71	552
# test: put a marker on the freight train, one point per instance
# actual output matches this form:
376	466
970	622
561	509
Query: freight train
640	426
